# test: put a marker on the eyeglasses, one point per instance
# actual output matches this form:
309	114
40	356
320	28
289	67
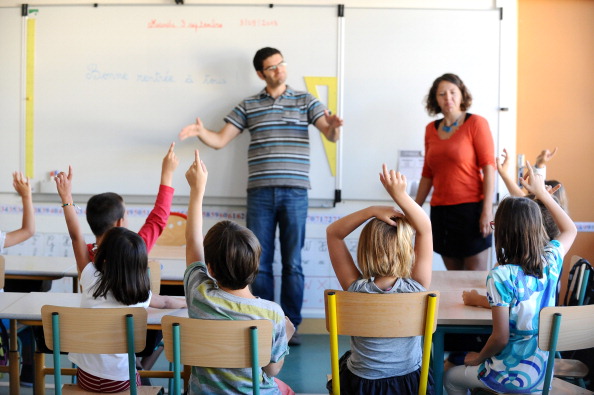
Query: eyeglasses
492	223
276	66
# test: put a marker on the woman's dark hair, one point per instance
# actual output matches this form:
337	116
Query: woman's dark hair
520	235
431	100
122	263
233	253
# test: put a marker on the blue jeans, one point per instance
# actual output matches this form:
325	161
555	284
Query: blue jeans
287	207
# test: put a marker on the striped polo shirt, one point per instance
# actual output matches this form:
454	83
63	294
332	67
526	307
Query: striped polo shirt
278	155
207	301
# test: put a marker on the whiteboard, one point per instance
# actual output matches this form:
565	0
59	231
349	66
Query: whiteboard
392	56
115	85
10	88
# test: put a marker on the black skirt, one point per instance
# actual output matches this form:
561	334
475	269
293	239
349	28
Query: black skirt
351	384
456	231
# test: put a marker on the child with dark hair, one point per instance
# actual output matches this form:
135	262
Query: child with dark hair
524	281
107	210
117	277
220	270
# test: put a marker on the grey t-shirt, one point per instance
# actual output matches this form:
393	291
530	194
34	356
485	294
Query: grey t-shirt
374	358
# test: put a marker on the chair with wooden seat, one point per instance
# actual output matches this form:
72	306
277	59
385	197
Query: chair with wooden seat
154	268
381	315
561	328
95	331
174	233
217	344
567	368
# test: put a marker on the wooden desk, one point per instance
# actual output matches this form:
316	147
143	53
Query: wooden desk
168	252
26	308
172	271
455	317
22	267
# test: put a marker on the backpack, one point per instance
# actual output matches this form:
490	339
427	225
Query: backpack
574	285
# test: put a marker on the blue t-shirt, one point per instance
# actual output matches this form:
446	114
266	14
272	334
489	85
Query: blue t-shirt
520	367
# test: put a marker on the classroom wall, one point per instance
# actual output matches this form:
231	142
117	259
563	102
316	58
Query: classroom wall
556	99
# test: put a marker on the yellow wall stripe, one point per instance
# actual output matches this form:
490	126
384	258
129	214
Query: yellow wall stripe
30	100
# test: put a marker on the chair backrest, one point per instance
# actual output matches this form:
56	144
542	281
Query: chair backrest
94	331
381	315
174	233
564	328
576	331
2	269
155	276
216	344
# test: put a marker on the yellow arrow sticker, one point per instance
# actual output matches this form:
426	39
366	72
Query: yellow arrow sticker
331	83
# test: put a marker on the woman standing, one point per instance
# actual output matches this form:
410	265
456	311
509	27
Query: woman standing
460	166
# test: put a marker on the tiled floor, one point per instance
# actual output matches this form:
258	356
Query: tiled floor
304	370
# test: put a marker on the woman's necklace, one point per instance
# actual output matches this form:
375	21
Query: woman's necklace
447	128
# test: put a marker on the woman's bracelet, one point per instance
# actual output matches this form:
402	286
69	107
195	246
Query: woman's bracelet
69	204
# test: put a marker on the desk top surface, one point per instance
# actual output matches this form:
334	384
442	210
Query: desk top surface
27	306
40	265
452	310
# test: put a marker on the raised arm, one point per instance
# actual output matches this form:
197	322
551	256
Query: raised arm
503	170
342	262
213	139
196	176
330	125
542	159
534	183
170	163
157	219
64	185
22	186
395	184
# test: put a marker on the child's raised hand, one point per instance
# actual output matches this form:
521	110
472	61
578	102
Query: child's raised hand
544	157
394	182
170	162
534	183
64	185
197	174
21	184
502	166
192	130
386	214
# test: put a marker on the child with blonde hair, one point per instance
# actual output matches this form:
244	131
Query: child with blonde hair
395	255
